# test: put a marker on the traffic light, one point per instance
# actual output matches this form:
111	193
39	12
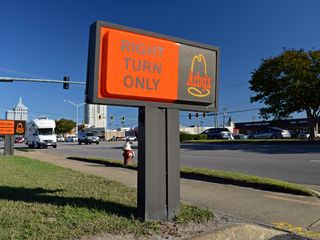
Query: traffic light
99	116
204	114
122	118
190	115
65	82
111	118
197	115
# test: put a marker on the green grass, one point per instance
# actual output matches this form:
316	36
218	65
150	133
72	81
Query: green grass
192	213
42	201
257	141
224	177
245	180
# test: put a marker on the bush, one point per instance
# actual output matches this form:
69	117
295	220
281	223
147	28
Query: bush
200	137
187	136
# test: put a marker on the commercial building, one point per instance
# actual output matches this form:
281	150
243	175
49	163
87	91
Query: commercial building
95	115
19	112
298	125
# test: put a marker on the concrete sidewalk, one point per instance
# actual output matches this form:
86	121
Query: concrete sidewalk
297	214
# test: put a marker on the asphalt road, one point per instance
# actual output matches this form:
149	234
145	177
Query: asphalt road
293	163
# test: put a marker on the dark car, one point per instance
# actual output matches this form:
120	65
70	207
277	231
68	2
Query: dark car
87	138
218	133
19	140
270	132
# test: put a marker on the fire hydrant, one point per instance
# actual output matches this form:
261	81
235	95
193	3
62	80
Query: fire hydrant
128	153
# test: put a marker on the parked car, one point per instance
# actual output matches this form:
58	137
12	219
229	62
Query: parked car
87	138
240	136
72	139
218	133
270	132
60	138
304	135
131	138
19	139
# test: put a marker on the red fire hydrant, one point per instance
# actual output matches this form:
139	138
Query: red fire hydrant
128	153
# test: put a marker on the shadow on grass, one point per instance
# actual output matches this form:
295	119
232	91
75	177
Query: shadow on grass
102	162
47	196
227	181
261	185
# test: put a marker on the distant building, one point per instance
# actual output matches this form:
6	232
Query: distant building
95	115
193	129
19	112
297	125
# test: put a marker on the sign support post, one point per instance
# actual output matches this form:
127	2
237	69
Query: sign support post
158	163
8	145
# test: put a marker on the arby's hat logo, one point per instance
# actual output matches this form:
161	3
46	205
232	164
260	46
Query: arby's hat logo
199	82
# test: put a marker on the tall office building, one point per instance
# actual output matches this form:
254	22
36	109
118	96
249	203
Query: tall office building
19	112
96	115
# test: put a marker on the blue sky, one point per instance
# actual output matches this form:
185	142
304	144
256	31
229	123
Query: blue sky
49	39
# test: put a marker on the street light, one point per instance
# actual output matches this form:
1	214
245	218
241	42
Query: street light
77	107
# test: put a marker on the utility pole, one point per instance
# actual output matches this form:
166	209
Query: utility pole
224	116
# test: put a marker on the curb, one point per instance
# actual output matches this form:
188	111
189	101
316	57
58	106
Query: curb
240	232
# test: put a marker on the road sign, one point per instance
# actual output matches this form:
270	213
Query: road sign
161	75
133	67
12	127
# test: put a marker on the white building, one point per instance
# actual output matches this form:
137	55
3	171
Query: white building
95	115
193	129
19	112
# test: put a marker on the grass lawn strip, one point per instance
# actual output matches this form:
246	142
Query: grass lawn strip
43	201
257	141
220	177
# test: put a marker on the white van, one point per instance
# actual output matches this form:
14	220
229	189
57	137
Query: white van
40	132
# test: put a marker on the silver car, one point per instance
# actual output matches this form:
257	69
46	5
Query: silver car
270	132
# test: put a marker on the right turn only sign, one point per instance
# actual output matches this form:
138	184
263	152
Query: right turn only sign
128	64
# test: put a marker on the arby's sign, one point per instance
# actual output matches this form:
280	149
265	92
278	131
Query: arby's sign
138	68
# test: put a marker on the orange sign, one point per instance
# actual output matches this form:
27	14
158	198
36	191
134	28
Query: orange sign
6	131
6	123
135	66
132	67
11	127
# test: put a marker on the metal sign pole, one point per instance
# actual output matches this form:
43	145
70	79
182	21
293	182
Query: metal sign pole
158	163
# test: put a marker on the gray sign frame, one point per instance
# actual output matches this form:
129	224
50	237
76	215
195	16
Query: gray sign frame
91	94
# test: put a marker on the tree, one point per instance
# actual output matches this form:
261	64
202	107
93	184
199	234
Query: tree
64	126
289	83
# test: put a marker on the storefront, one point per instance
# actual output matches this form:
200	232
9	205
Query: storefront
295	126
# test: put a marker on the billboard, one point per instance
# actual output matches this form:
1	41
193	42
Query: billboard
132	67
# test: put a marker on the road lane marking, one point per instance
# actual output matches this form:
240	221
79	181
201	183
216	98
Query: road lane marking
297	230
316	161
293	200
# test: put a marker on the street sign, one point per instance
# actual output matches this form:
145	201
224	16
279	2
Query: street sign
161	75
132	67
12	127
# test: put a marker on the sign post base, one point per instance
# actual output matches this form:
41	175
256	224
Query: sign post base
8	145
158	163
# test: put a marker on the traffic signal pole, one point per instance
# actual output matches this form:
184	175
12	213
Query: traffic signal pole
64	82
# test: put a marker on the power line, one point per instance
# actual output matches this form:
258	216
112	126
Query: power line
221	113
44	113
